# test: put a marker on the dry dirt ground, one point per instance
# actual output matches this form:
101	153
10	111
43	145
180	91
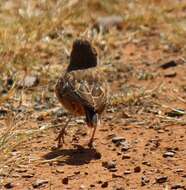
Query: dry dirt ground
141	143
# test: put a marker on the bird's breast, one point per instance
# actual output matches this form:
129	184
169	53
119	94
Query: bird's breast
72	106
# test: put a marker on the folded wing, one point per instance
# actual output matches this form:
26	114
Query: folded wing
88	89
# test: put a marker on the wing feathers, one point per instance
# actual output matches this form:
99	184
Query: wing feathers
87	89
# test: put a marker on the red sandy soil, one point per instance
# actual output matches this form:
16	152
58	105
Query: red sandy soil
136	162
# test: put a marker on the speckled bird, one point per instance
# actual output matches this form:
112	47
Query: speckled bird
82	89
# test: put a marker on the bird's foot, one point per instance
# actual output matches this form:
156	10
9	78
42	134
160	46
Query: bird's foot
61	138
92	144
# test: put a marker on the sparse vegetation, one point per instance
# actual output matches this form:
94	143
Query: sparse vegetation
35	40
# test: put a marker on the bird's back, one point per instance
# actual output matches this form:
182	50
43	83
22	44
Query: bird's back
82	90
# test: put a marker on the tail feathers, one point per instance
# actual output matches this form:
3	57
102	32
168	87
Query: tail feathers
95	120
92	118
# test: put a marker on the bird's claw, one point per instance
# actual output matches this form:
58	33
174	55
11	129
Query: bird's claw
61	138
91	144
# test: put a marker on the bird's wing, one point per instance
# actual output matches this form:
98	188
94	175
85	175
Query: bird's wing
87	88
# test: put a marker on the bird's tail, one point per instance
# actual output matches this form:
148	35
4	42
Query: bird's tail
92	118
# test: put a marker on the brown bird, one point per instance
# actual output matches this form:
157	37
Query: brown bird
81	89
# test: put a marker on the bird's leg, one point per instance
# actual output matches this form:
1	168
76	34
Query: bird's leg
90	144
60	137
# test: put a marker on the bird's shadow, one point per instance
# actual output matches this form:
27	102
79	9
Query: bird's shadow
77	156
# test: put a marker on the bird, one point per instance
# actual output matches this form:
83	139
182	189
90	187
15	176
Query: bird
82	89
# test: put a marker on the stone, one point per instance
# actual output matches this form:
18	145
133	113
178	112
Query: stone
118	139
106	22
137	169
82	187
126	172
9	185
30	81
161	179
65	181
60	170
27	175
124	146
109	164
171	63
170	74
39	182
178	186
168	154
144	180
105	184
126	156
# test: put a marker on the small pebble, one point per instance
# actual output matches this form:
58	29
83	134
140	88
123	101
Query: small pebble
80	121
126	156
124	146
65	181
39	182
178	186
179	170
113	169
27	175
30	81
119	153
144	180
118	139
105	184
82	187
77	172
170	74
99	182
118	188
126	172
161	131
16	175
137	169
116	176
109	164
107	22
171	63
161	179
9	185
20	170
60	170
168	154
146	163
